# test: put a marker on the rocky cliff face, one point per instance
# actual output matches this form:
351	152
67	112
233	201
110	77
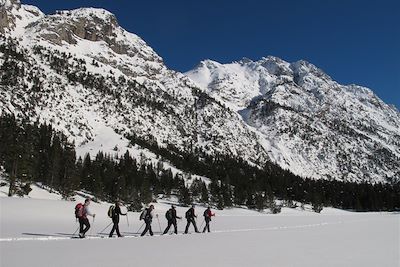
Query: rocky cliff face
14	16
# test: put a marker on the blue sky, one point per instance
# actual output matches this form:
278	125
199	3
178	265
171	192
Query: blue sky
353	41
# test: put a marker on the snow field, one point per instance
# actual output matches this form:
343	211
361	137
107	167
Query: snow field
35	232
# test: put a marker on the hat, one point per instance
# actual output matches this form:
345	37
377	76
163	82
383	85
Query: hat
173	206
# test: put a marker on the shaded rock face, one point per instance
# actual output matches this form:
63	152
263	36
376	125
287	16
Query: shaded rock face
66	26
14	16
6	19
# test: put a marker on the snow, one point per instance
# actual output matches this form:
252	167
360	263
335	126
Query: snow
89	11
35	232
291	108
232	84
106	140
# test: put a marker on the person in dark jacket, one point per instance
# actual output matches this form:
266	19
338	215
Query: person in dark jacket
171	217
207	218
115	219
148	218
190	215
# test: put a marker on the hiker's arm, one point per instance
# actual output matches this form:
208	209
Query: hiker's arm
120	212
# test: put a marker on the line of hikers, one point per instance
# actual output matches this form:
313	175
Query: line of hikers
82	212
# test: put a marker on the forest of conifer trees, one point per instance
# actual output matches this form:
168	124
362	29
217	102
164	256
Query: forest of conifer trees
36	153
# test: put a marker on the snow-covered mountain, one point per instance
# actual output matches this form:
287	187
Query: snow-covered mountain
309	123
88	76
98	83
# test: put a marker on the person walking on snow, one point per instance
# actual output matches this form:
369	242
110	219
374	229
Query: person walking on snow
148	218
82	217
115	219
171	217
190	215
207	218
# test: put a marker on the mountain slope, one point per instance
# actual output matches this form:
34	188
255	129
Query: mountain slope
310	124
82	72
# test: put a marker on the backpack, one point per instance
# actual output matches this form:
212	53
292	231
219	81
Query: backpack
78	210
143	214
188	214
110	212
205	213
168	215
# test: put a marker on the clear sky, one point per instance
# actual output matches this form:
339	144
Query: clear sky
353	41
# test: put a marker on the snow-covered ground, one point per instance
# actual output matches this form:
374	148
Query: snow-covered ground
36	232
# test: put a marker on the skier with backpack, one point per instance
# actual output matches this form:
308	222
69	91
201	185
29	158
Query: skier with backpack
207	218
81	213
114	212
147	215
171	217
190	215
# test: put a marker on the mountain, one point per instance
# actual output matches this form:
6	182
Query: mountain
103	87
92	79
307	122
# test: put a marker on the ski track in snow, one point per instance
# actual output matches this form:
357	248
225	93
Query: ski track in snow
56	238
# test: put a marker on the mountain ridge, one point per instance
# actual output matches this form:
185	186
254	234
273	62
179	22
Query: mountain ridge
271	93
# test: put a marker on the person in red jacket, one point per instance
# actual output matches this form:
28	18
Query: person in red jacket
82	217
207	218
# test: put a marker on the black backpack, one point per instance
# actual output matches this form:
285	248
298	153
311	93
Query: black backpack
188	214
110	212
143	214
205	213
168	215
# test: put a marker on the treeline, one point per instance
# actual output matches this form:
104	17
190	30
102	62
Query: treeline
235	182
37	153
34	152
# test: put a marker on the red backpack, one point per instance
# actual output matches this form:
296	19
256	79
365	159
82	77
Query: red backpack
78	210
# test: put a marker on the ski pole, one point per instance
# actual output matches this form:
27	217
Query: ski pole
159	223
202	224
76	231
139	229
127	220
105	228
91	228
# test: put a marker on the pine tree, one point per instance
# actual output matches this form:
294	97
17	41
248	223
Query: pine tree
260	202
204	193
145	192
